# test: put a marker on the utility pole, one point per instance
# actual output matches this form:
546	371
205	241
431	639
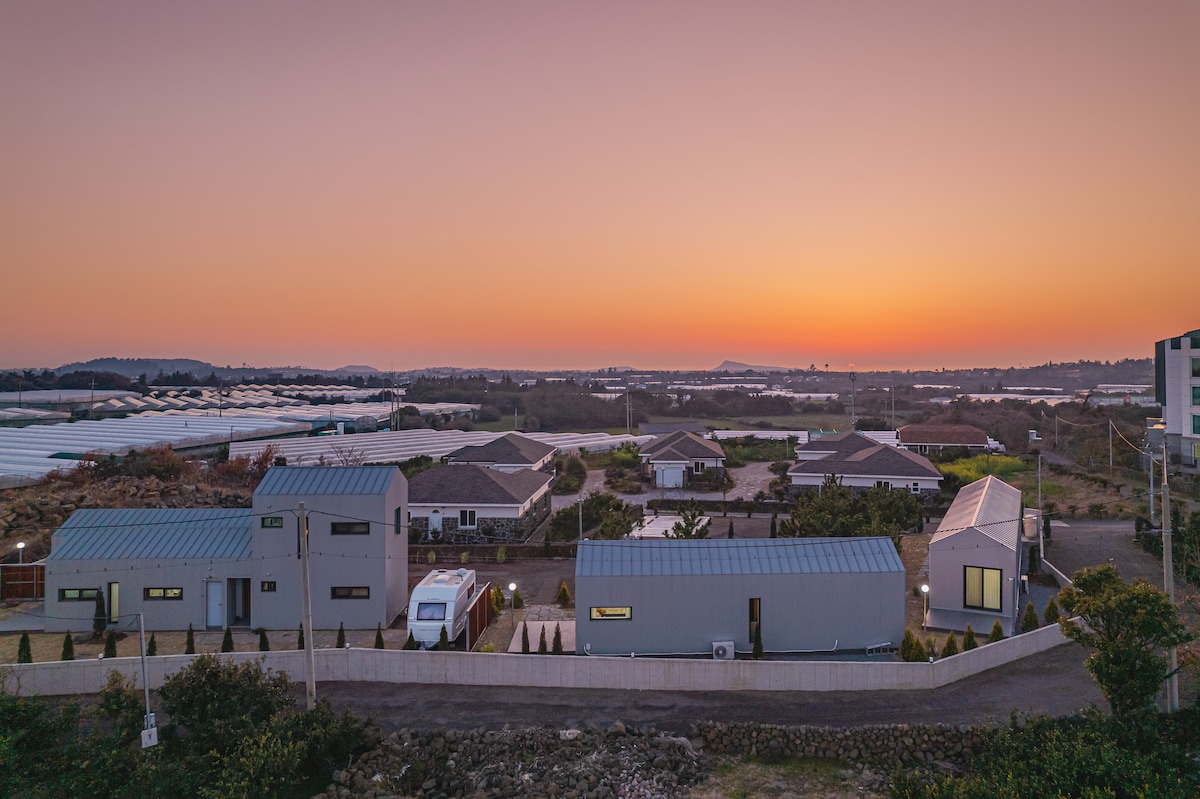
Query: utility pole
1041	525
310	678
1150	455
1169	581
1110	462
581	512
628	415
148	738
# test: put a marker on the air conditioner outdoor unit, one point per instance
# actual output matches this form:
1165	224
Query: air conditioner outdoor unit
722	650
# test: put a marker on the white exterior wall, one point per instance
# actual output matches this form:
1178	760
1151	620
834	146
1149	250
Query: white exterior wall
1179	412
867	481
947	561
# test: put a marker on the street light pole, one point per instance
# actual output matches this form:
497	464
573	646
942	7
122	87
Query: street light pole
924	604
512	595
20	552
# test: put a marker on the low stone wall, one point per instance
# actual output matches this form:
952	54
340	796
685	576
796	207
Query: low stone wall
882	745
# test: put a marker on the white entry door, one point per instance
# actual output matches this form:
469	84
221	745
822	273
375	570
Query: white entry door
215	618
435	522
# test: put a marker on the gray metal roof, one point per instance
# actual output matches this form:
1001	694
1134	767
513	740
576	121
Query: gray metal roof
731	557
157	533
286	481
991	506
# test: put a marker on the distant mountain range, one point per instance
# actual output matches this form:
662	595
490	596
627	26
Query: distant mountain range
735	366
134	367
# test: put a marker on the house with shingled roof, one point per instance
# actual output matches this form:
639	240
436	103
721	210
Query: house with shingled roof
856	461
473	504
923	438
508	453
671	461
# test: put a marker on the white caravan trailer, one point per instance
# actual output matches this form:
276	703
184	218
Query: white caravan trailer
440	600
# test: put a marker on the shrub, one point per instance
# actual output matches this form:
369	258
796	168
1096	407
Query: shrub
488	648
341	636
227	640
263	644
100	617
68	652
379	636
501	555
431	557
464	556
497	600
997	633
300	638
1051	616
152	647
518	602
410	643
1029	619
563	598
911	650
951	647
443	643
24	650
110	645
524	638
931	650
969	641
542	641
757	650
189	647
730	533
556	645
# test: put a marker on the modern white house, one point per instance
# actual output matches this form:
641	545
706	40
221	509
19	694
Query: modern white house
856	461
675	459
975	560
510	453
213	568
708	597
1177	390
475	504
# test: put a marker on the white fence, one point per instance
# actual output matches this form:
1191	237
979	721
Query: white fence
549	671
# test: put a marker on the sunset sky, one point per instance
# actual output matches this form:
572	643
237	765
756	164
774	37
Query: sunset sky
558	185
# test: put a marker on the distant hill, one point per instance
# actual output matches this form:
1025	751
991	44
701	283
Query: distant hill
734	366
132	367
356	370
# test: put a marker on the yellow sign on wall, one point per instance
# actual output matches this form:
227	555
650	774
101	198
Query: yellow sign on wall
605	614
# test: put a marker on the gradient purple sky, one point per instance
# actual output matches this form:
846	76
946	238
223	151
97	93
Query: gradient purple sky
552	185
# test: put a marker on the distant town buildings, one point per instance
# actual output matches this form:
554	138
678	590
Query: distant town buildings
1177	389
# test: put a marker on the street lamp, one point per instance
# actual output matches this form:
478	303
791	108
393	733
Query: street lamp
924	603
512	593
20	552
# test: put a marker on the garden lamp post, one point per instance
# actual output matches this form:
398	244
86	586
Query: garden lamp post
512	593
20	552
924	603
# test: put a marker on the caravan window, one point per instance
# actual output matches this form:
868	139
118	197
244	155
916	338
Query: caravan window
431	611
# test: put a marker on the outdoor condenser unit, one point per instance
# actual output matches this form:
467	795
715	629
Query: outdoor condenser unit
722	650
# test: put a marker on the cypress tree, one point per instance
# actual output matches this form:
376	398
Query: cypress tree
1029	619
969	641
341	636
1051	616
227	641
300	638
410	643
563	598
100	618
189	647
443	643
68	652
24	649
379	636
518	600
152	647
911	650
774	529
542	641
110	645
757	652
263	644
997	633
730	535
524	638
556	646
951	647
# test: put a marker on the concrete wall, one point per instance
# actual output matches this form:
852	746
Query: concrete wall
565	671
685	614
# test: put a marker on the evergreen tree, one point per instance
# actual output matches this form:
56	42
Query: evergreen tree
524	638
556	645
152	647
227	641
951	647
563	598
24	649
443	643
110	645
263	644
189	647
100	617
518	601
969	641
379	636
730	535
542	641
300	638
911	650
774	528
997	633
1051	616
757	652
68	652
410	643
341	636
1029	619
931	650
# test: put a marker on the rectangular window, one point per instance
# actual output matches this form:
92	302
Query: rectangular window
350	528
466	518
755	617
431	611
883	484
1196	395
916	489
350	592
697	468
272	521
162	593
267	586
609	614
981	588
1196	424
1195	367
77	595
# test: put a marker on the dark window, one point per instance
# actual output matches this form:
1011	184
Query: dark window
466	518
698	468
162	593
431	611
981	588
350	528
883	484
755	617
1196	395
397	522
268	585
1195	367
1196	425
77	595
350	592
1175	343
272	521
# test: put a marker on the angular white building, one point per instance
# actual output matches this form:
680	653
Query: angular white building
1177	389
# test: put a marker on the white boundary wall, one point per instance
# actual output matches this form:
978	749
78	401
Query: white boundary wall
548	671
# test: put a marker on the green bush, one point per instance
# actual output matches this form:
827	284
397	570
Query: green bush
969	641
517	601
1029	619
997	633
110	645
379	636
341	636
563	597
68	650
951	647
443	644
263	644
152	647
300	638
524	638
556	647
227	640
24	650
410	643
911	650
542	641
1051	616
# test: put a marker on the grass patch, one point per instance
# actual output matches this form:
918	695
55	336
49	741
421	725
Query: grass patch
976	468
755	778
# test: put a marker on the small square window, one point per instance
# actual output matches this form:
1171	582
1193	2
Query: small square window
272	521
1195	367
1196	395
267	586
350	528
162	593
350	592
